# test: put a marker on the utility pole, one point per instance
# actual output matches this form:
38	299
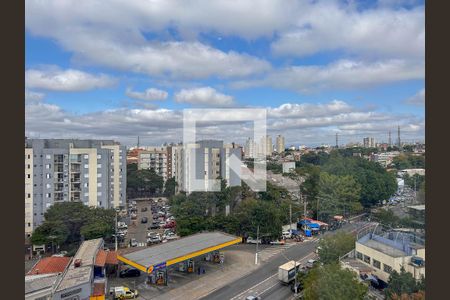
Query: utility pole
290	219
257	239
115	236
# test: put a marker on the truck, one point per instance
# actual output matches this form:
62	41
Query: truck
122	292
286	272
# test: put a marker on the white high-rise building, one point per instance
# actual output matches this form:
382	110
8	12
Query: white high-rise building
266	145
280	144
250	148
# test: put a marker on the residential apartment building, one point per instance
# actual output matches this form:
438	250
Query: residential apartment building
59	170
266	146
156	158
250	148
390	252
369	142
280	144
211	160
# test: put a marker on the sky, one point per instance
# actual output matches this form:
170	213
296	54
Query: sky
122	69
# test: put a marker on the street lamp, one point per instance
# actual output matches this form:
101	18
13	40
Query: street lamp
115	227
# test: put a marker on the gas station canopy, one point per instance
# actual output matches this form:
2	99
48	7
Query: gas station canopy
163	255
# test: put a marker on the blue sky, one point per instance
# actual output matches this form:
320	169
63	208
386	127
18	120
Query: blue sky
113	69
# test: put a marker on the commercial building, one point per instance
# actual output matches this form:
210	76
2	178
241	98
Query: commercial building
92	172
288	166
209	159
266	146
390	251
250	148
280	144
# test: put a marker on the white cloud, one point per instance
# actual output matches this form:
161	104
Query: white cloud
148	95
31	96
156	126
340	75
328	26
418	99
204	96
70	80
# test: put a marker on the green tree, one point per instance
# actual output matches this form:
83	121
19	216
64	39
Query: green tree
334	246
403	283
331	282
48	232
338	195
170	187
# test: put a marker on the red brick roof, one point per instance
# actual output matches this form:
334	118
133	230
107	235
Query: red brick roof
101	258
49	265
111	258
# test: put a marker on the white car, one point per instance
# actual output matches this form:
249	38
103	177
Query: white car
170	237
286	235
251	240
278	242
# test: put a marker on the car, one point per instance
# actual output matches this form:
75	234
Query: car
122	292
133	243
170	237
153	226
251	240
253	298
130	272
286	234
278	242
144	220
171	224
143	209
311	263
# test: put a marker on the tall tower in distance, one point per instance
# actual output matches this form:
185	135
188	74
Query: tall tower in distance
399	141
337	140
390	140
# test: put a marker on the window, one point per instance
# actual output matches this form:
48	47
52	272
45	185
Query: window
99	193
86	156
47	166
99	175
48	156
29	156
99	166
86	175
99	184
387	268
48	185
99	156
29	195
367	259
29	224
86	184
86	166
359	255
28	175
48	195
48	176
86	194
376	264
28	166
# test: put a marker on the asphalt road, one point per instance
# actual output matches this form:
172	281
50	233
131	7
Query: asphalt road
265	275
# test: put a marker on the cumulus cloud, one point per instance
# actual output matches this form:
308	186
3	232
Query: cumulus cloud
328	26
148	95
203	96
418	99
343	74
54	79
32	96
156	126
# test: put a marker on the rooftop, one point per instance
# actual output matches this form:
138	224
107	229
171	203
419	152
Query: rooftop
356	265
34	283
417	207
178	249
79	275
386	249
50	265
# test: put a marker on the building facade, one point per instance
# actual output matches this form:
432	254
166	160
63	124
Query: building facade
369	142
211	160
280	144
156	158
250	148
92	172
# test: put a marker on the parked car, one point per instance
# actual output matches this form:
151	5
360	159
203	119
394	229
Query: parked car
253	298
133	243
130	272
170	237
170	224
278	242
311	263
153	226
251	240
144	220
143	209
122	292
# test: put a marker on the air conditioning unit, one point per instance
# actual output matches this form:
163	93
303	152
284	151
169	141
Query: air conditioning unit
77	263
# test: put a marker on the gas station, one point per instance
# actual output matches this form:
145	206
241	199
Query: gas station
180	254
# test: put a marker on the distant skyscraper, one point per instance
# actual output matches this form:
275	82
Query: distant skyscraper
369	142
390	140
250	148
266	143
399	141
280	144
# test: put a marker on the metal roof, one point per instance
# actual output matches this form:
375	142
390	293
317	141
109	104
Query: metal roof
34	283
188	246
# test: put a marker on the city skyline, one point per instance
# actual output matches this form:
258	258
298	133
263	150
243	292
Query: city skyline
131	71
